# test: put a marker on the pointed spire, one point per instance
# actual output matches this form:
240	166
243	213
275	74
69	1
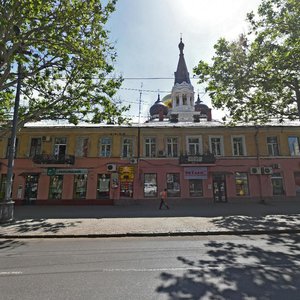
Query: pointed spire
182	73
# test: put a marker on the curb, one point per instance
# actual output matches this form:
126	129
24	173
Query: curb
150	234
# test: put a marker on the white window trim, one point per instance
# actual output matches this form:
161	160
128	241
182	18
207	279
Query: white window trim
178	146
144	146
244	145
133	146
210	137
200	143
100	145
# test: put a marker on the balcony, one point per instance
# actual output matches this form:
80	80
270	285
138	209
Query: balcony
51	159
208	158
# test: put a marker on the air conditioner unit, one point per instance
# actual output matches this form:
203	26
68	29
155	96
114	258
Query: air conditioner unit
133	161
46	138
255	170
111	167
267	170
161	153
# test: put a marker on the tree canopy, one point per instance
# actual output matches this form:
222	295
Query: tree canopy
66	58
257	76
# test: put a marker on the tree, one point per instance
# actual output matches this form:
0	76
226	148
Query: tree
257	76
66	57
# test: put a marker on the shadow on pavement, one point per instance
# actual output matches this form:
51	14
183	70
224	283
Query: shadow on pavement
250	223
237	270
10	244
38	225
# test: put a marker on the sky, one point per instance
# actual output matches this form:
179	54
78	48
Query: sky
146	34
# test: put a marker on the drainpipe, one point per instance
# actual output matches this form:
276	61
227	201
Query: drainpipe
262	201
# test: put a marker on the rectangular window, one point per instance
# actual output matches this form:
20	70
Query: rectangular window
241	184
150	147
294	145
82	144
105	146
80	183
35	147
150	185
216	145
8	148
173	184
3	186
127	147
103	186
196	187
56	186
194	145
60	146
277	184
238	146
172	146
272	144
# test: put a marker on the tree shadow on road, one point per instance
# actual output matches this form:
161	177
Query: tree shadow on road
236	270
38	225
10	244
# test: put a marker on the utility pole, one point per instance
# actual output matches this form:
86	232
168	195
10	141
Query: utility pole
140	103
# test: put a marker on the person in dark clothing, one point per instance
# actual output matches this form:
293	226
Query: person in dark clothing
163	199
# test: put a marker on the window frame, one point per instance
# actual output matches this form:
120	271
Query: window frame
243	143
172	153
210	138
105	152
273	147
150	145
198	145
130	146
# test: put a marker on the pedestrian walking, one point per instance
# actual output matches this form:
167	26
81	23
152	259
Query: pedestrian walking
163	199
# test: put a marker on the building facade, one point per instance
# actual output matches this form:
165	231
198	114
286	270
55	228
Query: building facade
180	148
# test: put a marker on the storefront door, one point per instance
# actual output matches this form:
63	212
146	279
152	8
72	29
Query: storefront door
31	187
219	188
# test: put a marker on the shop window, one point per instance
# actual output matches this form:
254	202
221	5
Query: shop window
103	186
238	146
216	145
3	180
150	147
194	145
105	146
173	184
55	188
277	184
150	185
272	144
35	147
172	146
80	183
82	147
294	145
196	187
8	148
241	184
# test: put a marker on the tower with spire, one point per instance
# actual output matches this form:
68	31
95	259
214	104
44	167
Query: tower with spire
183	107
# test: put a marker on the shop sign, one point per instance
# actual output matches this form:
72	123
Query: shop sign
126	173
195	173
54	171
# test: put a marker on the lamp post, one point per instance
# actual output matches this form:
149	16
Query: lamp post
7	205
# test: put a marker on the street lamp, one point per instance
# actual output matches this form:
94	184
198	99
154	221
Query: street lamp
7	205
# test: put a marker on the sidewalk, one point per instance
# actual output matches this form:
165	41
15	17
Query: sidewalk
144	219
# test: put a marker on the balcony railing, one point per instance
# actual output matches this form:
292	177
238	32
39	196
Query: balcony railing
53	159
208	158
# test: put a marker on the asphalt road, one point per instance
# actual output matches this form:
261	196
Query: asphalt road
215	267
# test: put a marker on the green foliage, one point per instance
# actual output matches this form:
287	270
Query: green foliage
257	77
66	57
